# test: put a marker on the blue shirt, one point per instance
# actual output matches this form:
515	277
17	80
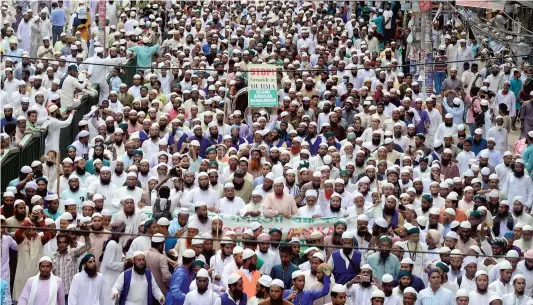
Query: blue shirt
179	286
391	265
477	147
527	155
278	272
307	297
58	17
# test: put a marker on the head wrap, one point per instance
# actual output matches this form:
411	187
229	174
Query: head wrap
404	273
148	223
84	260
428	198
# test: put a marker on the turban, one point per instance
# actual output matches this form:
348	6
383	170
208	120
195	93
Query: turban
84	260
414	230
404	273
148	223
442	266
198	263
427	197
138	152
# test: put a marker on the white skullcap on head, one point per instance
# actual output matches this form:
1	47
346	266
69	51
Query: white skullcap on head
338	288
277	282
297	273
45	259
461	293
138	253
265	280
202	273
234	278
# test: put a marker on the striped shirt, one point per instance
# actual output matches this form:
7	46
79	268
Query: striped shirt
443	296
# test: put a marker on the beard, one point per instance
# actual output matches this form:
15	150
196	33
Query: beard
188	184
80	171
519	213
335	210
376	141
260	294
202	290
518	174
448	125
105	181
274	159
359	164
74	189
238	186
252	267
204	188
20	217
445	162
425	209
91	272
237	295
308	87
154	137
482	291
139	270
388	211
255	165
131	188
347	251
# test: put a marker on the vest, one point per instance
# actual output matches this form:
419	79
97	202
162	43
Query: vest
393	223
249	285
496	225
313	148
225	300
343	275
126	287
158	212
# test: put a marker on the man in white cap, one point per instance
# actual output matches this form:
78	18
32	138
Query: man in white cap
43	288
279	203
482	293
299	295
231	204
249	273
519	184
235	294
157	262
311	209
275	294
181	279
201	193
503	284
517	297
338	295
525	242
202	295
468	281
462	297
98	69
262	290
312	280
137	285
106	188
131	216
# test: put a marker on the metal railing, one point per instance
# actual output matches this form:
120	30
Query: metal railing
32	145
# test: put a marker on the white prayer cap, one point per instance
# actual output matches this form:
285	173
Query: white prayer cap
45	259
96	215
297	273
189	253
387	278
410	290
320	256
163	221
247	253
277	282
47	221
202	273
237	250
158	238
377	294
517	276
265	280
197	241
233	278
338	288
461	293
138	253
106	212
88	203
481	272
505	265
66	216
494	298
279	180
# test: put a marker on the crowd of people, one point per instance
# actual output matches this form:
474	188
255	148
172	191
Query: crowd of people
428	184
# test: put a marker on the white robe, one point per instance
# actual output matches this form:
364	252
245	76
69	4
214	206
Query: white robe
54	129
195	298
85	290
138	294
111	267
24	33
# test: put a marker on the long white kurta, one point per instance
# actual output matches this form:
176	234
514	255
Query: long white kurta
141	243
54	130
519	187
29	252
360	295
111	267
138	294
24	34
85	290
270	260
195	298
